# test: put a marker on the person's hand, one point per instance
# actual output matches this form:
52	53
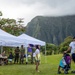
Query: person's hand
65	51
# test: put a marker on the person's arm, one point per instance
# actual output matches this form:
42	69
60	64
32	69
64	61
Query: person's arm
69	48
37	56
36	52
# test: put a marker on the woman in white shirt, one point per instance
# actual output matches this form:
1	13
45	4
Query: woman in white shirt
37	57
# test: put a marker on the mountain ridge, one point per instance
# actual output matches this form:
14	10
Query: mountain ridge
51	29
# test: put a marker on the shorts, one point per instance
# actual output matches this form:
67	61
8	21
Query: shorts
73	57
10	60
37	60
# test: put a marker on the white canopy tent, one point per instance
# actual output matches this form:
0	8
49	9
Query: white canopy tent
34	41
7	39
22	39
31	40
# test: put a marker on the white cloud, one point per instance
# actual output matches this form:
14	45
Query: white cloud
28	9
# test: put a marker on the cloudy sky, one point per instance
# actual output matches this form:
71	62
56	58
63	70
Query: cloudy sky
28	9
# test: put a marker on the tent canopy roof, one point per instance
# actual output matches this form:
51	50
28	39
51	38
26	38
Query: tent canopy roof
31	40
7	39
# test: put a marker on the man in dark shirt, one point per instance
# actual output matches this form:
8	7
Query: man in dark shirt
17	51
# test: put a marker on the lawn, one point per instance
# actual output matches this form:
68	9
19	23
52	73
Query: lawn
48	66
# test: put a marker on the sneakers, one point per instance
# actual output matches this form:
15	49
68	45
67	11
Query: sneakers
72	71
65	72
38	71
59	72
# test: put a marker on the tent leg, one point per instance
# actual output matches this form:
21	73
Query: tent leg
45	55
26	55
1	47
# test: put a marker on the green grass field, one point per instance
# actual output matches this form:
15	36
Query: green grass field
48	66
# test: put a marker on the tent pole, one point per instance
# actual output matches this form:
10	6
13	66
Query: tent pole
1	49
45	50
26	55
45	55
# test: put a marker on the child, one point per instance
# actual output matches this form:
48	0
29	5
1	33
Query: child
64	63
10	57
37	57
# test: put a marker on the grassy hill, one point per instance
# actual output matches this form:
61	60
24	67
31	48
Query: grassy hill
48	66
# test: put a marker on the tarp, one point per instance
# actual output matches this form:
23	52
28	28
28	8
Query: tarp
31	40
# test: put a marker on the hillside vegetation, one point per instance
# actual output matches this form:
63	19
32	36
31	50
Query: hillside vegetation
51	29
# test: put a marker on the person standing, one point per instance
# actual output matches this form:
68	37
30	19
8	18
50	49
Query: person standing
10	57
37	57
72	49
17	51
22	53
30	52
5	61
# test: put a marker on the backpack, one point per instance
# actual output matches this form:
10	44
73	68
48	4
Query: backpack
67	58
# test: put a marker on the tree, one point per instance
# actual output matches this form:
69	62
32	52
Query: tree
11	26
0	18
64	45
50	48
0	13
20	21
